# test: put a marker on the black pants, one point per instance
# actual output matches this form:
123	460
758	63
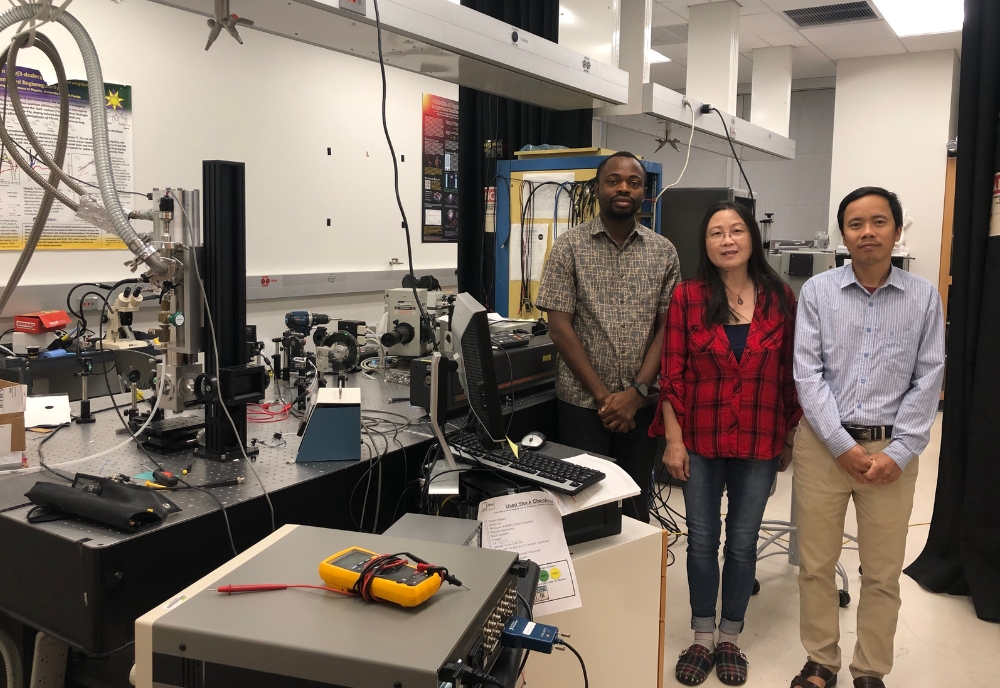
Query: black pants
581	428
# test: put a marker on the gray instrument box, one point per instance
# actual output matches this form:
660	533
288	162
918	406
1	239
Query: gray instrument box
450	531
300	637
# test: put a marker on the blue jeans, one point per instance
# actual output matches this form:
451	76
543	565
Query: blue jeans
748	483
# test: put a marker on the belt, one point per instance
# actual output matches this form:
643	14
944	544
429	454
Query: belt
869	433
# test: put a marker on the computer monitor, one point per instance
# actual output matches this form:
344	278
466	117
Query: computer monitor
474	353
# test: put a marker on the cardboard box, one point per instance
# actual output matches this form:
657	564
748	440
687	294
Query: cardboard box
12	403
42	321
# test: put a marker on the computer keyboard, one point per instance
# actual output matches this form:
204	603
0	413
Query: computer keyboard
529	466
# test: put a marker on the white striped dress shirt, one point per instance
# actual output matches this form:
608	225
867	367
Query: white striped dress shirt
870	359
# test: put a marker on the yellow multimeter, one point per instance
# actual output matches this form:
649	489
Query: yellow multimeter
406	586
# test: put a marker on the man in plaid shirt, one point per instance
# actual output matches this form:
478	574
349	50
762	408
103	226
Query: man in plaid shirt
605	288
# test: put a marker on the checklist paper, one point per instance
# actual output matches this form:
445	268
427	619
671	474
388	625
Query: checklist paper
530	524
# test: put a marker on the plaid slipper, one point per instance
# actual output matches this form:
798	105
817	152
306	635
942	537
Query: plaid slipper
731	664
694	665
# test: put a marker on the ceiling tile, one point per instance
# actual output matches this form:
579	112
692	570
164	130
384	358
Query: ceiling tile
811	63
757	24
786	38
753	7
934	41
663	16
677	53
681	6
853	32
884	46
669	74
748	43
669	35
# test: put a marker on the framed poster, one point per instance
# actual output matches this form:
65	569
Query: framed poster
20	196
439	209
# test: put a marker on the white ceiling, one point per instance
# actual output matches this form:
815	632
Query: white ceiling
587	26
763	24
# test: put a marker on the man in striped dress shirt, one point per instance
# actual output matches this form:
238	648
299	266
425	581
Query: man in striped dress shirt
869	357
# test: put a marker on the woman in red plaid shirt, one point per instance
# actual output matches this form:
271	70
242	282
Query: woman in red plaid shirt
728	410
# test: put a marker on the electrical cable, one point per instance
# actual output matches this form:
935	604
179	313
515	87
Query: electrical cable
41	455
369	425
112	212
583	667
121	192
687	159
215	351
725	128
123	442
513	407
50	189
527	609
134	436
424	315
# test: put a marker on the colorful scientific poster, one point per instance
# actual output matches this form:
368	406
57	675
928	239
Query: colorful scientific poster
20	196
440	160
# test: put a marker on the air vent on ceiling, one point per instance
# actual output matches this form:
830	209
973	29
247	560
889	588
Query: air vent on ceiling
831	14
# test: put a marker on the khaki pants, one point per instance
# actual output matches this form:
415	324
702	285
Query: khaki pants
822	490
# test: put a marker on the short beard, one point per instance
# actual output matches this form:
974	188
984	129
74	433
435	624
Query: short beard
621	214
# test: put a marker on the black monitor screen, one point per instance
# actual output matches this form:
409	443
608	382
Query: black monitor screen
474	353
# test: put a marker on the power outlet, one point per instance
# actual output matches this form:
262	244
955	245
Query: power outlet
48	667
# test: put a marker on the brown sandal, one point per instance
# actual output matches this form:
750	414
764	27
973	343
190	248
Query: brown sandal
868	682
819	671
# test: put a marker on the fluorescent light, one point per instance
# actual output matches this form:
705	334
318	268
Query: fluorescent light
918	17
566	17
657	57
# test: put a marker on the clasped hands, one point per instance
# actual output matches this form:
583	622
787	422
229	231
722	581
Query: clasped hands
617	410
865	468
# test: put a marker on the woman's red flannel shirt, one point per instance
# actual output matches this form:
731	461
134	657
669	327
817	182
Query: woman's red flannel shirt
728	409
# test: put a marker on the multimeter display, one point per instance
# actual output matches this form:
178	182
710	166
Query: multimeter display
405	585
356	559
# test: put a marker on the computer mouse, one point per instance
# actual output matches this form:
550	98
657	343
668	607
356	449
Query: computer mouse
533	440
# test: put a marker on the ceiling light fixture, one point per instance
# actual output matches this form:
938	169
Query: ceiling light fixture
656	57
919	17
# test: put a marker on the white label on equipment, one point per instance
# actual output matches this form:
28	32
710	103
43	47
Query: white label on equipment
529	628
5	439
179	600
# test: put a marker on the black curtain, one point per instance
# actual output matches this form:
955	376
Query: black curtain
484	117
962	554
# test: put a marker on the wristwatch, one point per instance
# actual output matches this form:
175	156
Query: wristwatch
641	387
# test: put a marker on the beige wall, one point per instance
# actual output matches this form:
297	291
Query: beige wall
892	121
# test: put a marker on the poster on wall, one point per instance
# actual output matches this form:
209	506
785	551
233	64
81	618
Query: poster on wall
440	160
20	196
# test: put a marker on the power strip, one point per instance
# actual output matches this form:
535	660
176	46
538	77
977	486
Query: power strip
48	667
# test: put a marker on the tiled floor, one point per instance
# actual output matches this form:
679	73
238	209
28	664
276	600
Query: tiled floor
939	642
